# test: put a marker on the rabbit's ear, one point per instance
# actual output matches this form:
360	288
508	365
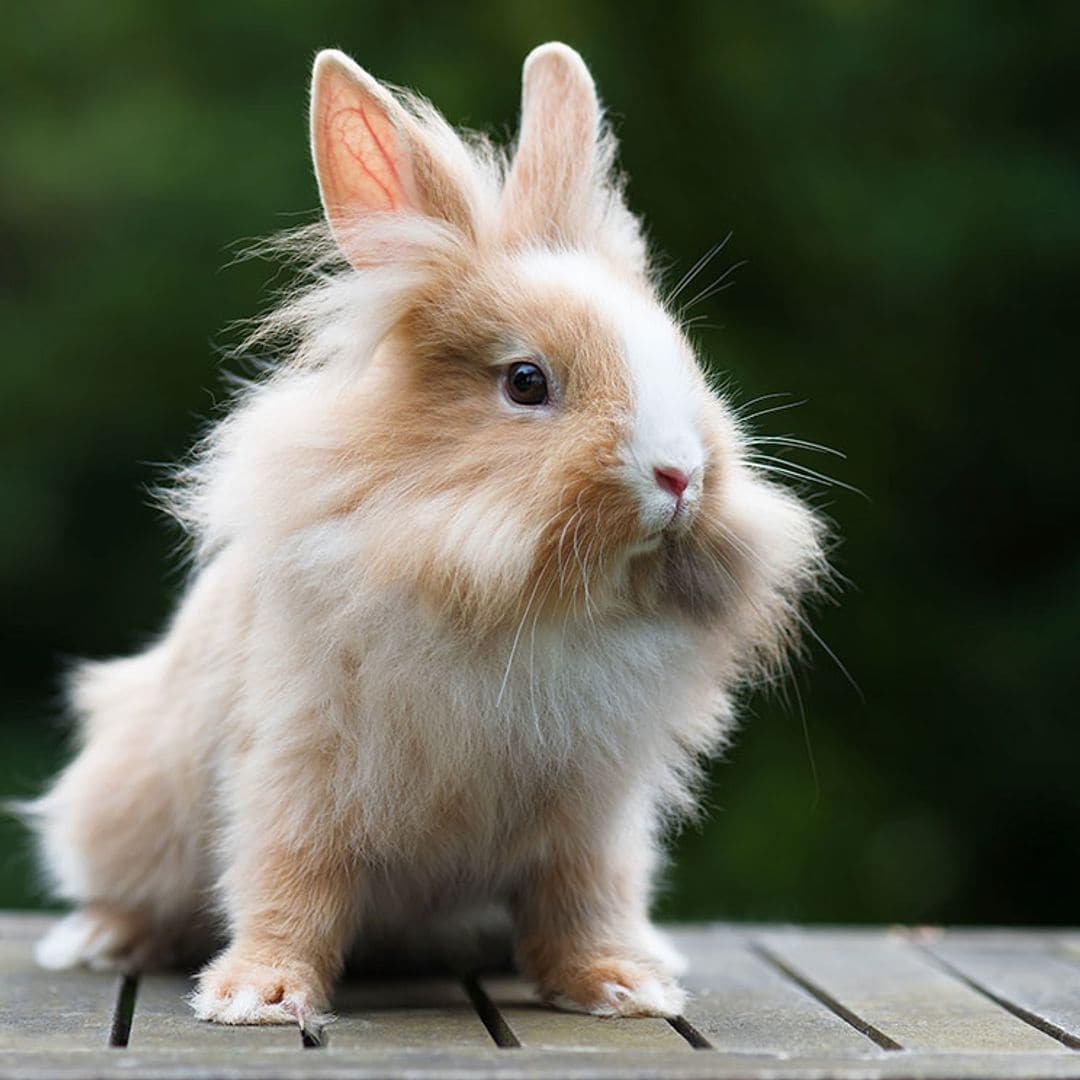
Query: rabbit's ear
372	156
554	171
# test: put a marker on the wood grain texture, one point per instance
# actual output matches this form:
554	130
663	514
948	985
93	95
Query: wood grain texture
408	1014
1022	971
742	1004
884	980
530	1065
52	1010
538	1026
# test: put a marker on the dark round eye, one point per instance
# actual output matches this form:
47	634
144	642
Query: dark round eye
526	384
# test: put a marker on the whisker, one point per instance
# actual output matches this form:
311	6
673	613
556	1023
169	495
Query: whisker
524	616
711	290
797	470
806	740
800	444
584	572
593	544
514	644
775	408
832	655
696	269
739	409
559	549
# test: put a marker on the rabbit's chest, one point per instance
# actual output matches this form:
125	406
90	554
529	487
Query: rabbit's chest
540	693
468	749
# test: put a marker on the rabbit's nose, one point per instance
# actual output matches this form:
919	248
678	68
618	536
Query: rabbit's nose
672	479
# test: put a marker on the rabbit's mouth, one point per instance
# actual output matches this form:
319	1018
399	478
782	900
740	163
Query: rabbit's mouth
647	544
655	539
678	523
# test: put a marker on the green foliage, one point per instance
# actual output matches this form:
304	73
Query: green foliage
901	180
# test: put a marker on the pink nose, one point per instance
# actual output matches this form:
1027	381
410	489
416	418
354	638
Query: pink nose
673	480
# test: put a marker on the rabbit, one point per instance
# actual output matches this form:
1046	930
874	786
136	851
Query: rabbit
480	568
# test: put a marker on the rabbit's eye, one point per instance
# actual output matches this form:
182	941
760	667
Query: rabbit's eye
526	384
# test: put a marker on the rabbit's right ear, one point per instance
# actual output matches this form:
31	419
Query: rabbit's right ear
372	156
556	167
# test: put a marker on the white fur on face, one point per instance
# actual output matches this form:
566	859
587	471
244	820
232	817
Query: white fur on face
666	386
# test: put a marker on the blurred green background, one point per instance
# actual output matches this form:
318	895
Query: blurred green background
903	181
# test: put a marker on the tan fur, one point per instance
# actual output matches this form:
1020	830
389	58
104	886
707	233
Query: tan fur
440	650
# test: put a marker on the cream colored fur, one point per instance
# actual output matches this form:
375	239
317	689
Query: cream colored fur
415	672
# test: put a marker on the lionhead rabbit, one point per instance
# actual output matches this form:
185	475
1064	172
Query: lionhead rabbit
480	565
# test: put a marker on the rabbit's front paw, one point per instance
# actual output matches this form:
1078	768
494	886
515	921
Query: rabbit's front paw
611	987
233	990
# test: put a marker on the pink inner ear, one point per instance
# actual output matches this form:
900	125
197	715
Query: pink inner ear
359	153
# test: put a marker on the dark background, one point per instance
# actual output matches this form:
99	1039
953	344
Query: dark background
903	181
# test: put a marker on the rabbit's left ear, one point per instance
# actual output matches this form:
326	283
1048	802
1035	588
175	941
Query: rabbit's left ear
554	174
372	156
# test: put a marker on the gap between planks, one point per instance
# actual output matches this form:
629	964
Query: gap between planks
864	1027
123	1011
973	974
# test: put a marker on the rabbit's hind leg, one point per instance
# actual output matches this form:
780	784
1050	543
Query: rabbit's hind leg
102	937
122	831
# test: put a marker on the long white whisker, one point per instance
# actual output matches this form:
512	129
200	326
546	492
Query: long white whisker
740	409
799	471
559	549
514	644
711	290
806	740
696	269
581	566
835	659
800	444
532	662
774	409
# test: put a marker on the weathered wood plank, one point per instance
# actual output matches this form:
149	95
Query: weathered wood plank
539	1026
765	1026
52	1010
742	1004
1024	971
24	925
413	1014
531	1065
882	979
1070	942
163	1020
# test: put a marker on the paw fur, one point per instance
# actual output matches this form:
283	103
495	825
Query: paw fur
237	991
100	938
618	988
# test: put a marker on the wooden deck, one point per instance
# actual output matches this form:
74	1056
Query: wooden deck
767	1003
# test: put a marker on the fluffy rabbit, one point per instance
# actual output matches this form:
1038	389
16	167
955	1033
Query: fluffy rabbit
480	565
